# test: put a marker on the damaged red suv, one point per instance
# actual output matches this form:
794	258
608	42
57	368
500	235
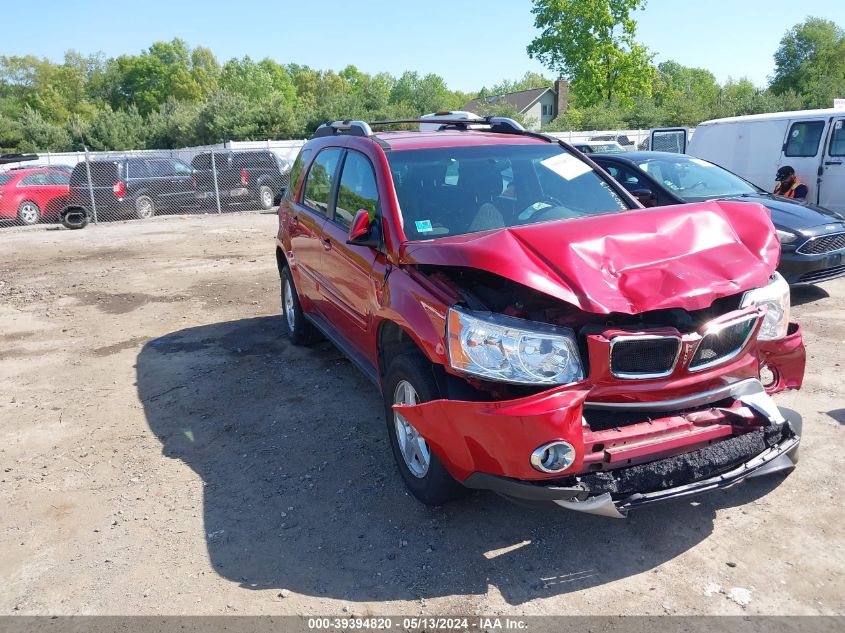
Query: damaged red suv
532	329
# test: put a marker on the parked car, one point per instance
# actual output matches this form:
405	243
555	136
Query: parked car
136	187
247	177
624	141
59	167
757	145
531	328
603	147
812	238
32	195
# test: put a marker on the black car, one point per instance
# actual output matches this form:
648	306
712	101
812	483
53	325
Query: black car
248	177
132	187
812	238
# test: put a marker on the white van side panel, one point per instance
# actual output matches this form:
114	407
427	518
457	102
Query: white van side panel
751	149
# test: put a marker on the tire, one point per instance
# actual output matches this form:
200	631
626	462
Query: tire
299	329
75	219
426	479
265	197
29	213
144	207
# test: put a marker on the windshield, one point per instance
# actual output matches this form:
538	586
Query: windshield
694	179
457	190
608	148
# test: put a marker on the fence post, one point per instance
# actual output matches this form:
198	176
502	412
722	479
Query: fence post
214	175
90	187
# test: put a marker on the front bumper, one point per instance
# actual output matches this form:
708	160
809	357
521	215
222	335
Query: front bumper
799	269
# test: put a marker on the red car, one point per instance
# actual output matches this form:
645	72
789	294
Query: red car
533	330
32	195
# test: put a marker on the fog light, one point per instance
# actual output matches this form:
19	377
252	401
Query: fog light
767	376
553	457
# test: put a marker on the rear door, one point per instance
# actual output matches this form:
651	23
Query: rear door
832	183
350	280
802	149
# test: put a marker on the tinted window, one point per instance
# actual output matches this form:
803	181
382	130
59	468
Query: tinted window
202	161
34	179
138	169
357	189
497	186
296	172
58	179
160	168
626	177
804	138
181	168
318	184
253	159
5	178
837	140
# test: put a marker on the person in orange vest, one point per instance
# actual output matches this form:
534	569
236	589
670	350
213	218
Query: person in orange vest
789	186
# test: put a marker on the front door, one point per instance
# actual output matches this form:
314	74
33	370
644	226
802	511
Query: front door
832	187
802	150
351	272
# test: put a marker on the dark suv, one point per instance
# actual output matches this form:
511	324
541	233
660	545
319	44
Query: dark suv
246	177
131	187
531	328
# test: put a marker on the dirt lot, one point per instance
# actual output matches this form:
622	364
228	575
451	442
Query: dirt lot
165	451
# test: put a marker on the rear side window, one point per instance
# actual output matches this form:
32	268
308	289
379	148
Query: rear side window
202	161
296	172
138	169
357	189
5	178
34	179
804	138
837	140
318	184
181	168
101	174
254	160
160	168
56	178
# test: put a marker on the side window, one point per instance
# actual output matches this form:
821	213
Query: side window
357	189
56	178
837	140
160	168
626	177
181	168
34	180
318	183
804	138
202	161
296	173
138	169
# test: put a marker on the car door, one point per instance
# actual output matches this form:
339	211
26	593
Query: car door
832	187
182	182
59	186
801	151
308	214
350	270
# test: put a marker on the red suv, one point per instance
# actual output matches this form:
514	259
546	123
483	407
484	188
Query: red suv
532	329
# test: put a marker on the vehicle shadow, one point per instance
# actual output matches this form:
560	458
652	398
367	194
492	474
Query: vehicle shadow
301	490
799	295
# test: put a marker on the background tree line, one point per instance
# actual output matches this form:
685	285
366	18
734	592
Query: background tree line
172	96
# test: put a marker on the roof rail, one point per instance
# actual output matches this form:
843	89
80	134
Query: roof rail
500	124
353	128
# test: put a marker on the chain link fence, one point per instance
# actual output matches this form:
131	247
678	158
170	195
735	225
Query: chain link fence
94	187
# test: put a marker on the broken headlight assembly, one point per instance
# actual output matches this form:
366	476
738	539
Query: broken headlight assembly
500	347
774	297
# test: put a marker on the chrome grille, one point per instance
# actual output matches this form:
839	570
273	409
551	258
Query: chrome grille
822	244
723	342
643	356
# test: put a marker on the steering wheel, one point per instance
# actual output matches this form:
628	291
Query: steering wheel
698	185
530	211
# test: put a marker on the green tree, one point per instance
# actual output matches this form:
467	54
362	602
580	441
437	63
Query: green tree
591	43
810	61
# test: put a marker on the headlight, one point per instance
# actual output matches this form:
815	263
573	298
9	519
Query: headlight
786	237
775	298
500	347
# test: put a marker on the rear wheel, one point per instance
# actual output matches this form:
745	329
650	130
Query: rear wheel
265	197
144	207
29	213
410	380
299	329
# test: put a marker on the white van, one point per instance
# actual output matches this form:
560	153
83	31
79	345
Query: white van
755	146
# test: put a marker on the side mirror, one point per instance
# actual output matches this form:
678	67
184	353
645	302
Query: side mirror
363	232
645	196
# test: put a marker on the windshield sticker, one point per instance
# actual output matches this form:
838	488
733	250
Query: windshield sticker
566	166
703	163
424	226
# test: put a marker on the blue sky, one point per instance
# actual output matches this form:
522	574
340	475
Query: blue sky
469	43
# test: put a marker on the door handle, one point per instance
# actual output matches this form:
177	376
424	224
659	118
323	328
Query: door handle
327	243
833	162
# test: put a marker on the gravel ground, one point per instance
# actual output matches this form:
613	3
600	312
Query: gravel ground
165	451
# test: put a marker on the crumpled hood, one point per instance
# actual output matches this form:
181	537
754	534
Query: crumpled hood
683	256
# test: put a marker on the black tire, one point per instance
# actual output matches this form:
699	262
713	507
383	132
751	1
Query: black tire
29	213
145	208
299	329
75	219
265	197
436	486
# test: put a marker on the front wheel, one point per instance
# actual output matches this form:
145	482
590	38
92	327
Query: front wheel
29	213
265	197
410	380
144	207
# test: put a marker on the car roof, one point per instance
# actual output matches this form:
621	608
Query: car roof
31	170
414	139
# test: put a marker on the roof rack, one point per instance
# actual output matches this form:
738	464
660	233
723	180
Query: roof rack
353	128
500	124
